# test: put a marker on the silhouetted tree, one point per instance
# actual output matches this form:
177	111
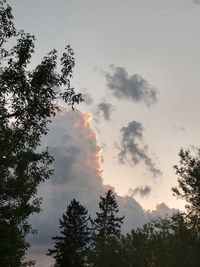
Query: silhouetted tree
27	102
12	245
105	250
71	248
167	242
189	184
135	247
107	223
174	241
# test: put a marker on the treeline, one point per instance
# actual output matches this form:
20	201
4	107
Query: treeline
169	242
82	238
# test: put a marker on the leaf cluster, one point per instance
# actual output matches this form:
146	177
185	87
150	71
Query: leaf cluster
29	97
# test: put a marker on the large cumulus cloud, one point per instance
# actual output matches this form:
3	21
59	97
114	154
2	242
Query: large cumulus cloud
78	174
133	87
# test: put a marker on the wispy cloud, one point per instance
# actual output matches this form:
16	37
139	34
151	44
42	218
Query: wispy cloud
180	129
104	109
196	1
141	190
132	149
133	87
87	98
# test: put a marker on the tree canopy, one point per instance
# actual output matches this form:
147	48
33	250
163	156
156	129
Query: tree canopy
28	99
188	187
107	223
71	247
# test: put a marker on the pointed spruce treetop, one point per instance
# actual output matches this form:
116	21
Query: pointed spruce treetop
70	248
107	223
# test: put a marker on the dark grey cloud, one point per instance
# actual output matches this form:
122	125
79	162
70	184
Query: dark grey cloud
88	99
132	149
141	190
196	1
178	128
104	109
133	87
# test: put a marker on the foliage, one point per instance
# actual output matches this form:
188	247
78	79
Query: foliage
106	233
13	248
175	241
167	242
27	101
189	184
107	252
107	223
135	246
70	249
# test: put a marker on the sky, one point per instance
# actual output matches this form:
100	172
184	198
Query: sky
137	63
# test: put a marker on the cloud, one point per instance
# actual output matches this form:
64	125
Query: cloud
78	174
180	129
133	150
88	99
142	191
196	1
133	87
64	163
105	109
162	210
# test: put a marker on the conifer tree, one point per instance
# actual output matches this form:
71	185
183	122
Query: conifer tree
71	247
107	223
105	249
